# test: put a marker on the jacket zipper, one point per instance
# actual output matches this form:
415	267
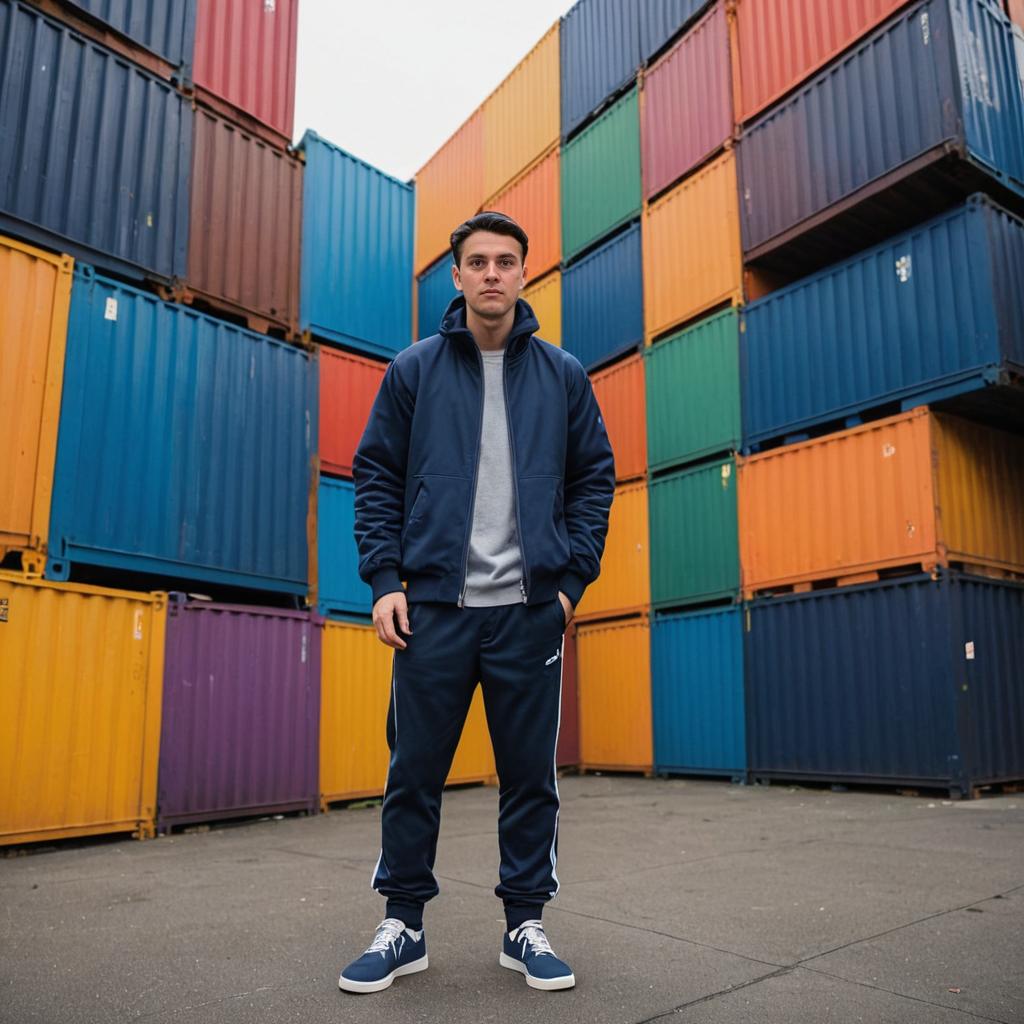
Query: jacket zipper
524	581
476	473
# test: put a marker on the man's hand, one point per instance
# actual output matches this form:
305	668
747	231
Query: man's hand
389	608
566	607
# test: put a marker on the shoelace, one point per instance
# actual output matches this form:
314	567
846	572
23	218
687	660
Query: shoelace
387	933
532	932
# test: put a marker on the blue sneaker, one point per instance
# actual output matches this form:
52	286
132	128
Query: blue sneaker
527	950
395	950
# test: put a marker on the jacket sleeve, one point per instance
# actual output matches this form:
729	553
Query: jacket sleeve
378	470
589	487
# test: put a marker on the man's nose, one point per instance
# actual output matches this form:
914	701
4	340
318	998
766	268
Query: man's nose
492	271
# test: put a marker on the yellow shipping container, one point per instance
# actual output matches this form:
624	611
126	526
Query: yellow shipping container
614	679
82	674
692	255
625	582
545	299
35	293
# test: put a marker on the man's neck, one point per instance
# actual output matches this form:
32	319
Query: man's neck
490	335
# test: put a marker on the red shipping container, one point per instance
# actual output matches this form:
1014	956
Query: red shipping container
348	386
621	394
686	103
568	752
245	62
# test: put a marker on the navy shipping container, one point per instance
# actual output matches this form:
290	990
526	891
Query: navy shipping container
934	312
184	447
95	152
357	238
661	20
339	587
697	693
911	682
434	290
603	301
937	103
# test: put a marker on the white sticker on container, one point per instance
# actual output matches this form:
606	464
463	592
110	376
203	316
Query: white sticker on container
904	268
969	650
305	647
269	6
110	310
925	31
888	451
138	623
726	473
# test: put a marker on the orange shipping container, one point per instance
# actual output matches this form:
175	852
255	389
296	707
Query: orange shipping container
621	395
918	489
348	386
35	292
545	299
613	664
692	257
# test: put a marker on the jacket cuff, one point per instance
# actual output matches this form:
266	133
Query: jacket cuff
386	581
572	586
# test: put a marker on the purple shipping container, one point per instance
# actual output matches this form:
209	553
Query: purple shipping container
240	732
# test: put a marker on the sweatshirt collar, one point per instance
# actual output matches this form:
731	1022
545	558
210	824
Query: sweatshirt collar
524	326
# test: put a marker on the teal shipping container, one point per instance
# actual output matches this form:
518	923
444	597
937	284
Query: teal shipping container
340	591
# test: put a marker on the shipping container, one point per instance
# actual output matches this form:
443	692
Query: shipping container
934	312
614	668
241	713
35	292
920	489
434	291
184	447
545	299
521	116
117	193
693	392
474	756
245	62
694	537
567	753
910	682
449	189
348	386
357	229
620	394
79	710
603	301
532	201
938	97
660	20
245	226
601	176
691	243
678	130
339	588
624	583
697	693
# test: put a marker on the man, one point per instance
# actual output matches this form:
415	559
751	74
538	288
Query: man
483	479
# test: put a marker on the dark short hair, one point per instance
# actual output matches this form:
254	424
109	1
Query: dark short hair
489	220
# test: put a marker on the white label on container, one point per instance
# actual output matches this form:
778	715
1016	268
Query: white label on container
269	6
904	268
110	311
888	451
969	650
138	623
305	646
925	32
726	473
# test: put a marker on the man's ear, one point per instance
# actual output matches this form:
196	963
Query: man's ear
456	278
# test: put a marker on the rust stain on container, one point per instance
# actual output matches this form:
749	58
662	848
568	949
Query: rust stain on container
545	299
621	394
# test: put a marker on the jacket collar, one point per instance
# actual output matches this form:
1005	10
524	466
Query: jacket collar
524	326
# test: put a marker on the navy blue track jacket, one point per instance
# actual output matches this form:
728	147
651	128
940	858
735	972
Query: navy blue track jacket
415	469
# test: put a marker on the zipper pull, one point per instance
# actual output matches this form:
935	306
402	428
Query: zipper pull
522	589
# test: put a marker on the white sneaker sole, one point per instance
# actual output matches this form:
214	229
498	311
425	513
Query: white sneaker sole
376	986
547	984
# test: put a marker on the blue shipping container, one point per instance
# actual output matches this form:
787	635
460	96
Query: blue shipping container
339	588
434	291
603	301
934	312
184	447
934	92
660	20
357	235
95	153
697	693
913	681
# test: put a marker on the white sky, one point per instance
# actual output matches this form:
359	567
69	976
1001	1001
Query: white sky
390	80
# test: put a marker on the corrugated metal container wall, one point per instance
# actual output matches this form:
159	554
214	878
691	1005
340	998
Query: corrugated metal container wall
449	190
660	20
434	291
117	197
677	132
614	668
930	313
357	228
184	446
567	753
933	697
957	91
245	225
930	490
545	299
624	584
692	248
532	201
35	292
620	394
246	55
694	536
241	712
697	692
339	588
79	710
693	392
601	176
603	301
521	116
348	386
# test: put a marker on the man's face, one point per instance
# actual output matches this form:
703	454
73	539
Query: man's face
491	273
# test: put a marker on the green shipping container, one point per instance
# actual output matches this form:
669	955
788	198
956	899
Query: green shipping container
693	393
601	176
694	540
